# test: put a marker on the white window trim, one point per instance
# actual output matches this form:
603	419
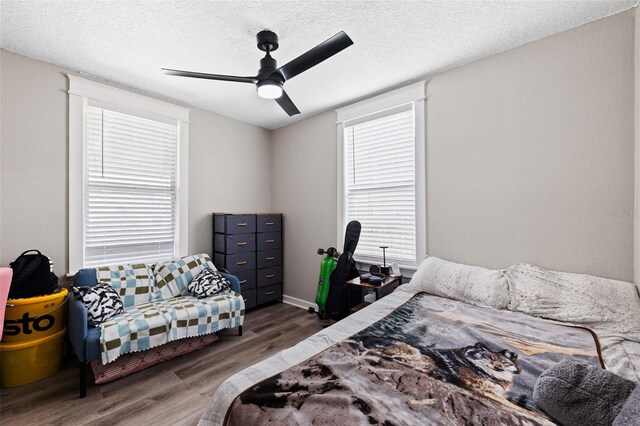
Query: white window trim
83	92
413	94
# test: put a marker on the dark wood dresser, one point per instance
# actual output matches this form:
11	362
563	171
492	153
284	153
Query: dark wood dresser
249	246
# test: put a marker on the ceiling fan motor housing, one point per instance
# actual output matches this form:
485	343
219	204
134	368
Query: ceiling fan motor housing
267	71
267	65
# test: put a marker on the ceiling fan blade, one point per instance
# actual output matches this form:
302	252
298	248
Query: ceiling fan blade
313	57
287	104
221	77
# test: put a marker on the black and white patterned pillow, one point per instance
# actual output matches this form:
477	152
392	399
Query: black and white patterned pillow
102	302
207	283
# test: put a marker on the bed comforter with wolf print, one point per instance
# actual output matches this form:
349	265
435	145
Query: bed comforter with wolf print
430	361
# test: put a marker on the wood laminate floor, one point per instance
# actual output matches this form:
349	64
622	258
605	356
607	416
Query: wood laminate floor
174	392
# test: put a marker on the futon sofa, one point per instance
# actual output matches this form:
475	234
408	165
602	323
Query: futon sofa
157	309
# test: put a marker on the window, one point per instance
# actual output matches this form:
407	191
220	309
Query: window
127	188
382	176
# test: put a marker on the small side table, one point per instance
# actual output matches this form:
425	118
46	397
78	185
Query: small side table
389	283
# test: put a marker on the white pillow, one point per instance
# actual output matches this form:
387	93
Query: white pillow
605	305
470	284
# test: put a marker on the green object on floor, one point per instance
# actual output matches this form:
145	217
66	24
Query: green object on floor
328	264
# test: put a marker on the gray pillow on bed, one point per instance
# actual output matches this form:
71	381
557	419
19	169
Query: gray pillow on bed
469	284
576	394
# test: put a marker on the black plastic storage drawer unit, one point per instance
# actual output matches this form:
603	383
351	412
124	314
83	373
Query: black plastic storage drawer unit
249	246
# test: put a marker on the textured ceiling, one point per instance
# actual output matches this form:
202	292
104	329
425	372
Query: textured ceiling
127	42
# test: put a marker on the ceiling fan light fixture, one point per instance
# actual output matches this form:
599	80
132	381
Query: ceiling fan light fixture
269	89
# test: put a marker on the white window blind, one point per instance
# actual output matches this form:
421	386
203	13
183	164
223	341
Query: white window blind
130	191
380	187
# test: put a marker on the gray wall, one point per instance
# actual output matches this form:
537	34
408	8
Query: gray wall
33	161
229	171
530	154
304	174
529	158
34	165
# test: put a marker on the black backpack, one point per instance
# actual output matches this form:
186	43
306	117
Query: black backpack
32	276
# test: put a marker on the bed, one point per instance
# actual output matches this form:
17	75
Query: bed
459	344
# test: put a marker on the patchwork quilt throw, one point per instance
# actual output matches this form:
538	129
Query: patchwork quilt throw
152	324
430	361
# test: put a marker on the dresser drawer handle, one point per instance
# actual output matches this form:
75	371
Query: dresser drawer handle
242	224
243	281
270	241
269	293
269	223
270	276
241	243
241	262
270	258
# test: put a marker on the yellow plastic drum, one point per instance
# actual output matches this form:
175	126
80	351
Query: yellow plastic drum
26	362
34	317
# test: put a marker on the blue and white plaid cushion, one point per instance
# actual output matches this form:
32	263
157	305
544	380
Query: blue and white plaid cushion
134	283
156	323
173	276
194	317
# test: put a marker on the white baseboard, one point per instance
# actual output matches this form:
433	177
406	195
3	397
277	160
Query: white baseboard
300	303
